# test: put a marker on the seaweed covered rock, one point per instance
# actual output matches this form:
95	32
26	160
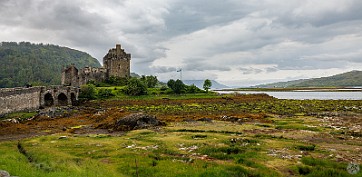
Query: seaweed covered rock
137	121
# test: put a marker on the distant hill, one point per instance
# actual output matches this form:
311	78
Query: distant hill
135	75
38	64
348	79
200	83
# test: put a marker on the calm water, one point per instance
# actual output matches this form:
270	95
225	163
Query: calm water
307	95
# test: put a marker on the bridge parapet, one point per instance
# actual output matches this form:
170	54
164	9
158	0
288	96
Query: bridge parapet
21	99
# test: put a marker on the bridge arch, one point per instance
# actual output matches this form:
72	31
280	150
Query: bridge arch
58	96
62	99
48	100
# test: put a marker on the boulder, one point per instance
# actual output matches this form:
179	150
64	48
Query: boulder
137	121
4	173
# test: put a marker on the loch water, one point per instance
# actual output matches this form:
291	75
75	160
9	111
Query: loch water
303	95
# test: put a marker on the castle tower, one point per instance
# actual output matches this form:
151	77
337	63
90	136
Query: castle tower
70	76
117	62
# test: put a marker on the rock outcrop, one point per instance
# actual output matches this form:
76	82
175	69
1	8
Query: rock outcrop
137	121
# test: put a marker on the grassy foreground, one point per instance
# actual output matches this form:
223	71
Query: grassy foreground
242	136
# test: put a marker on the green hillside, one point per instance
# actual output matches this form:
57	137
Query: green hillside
37	64
349	79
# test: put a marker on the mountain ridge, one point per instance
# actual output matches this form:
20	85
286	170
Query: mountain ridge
200	83
347	79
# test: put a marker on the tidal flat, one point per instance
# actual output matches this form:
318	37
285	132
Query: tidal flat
228	135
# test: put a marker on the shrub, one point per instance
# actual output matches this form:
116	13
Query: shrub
105	93
117	81
177	86
304	170
163	88
150	81
193	89
135	87
87	91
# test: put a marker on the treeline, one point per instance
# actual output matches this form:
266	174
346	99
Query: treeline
136	86
37	64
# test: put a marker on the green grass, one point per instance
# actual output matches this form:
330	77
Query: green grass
19	115
110	156
297	127
154	93
150	153
265	146
314	167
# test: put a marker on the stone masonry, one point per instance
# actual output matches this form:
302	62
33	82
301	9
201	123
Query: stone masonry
116	63
20	99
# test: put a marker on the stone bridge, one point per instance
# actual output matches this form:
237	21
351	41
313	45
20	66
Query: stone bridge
32	98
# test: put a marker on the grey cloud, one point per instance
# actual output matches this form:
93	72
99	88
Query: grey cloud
200	64
271	69
206	36
190	16
163	69
250	70
345	57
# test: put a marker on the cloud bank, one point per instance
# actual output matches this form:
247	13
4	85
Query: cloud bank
235	42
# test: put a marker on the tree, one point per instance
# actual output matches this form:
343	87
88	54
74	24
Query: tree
87	91
151	81
176	86
117	81
136	87
22	63
171	84
207	85
193	89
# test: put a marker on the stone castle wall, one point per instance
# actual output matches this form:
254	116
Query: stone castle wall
70	76
91	74
22	99
118	68
18	99
115	63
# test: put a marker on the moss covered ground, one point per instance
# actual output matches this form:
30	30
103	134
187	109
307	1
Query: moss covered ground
235	135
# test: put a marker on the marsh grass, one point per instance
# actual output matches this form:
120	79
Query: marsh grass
297	127
165	153
157	154
268	143
19	115
314	167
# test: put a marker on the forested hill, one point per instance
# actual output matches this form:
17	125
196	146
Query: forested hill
348	79
38	64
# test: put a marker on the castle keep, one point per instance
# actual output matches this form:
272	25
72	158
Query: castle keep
116	63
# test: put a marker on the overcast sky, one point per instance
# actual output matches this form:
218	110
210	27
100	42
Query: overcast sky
236	42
